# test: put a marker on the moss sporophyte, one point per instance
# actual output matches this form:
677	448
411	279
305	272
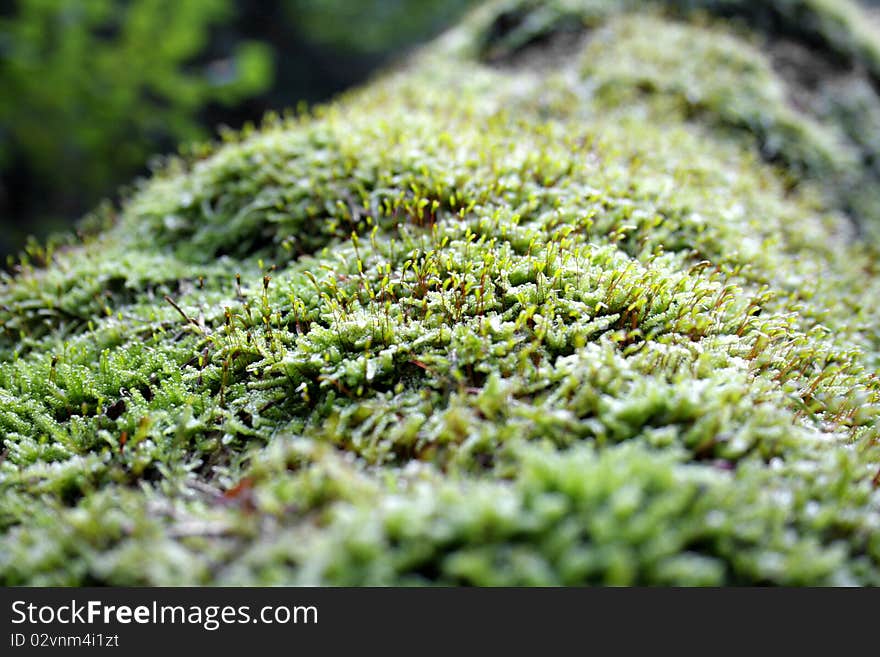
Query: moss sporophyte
584	292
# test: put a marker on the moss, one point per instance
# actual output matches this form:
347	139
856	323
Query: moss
797	76
594	317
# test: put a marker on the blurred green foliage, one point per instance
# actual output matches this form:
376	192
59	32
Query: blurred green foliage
91	86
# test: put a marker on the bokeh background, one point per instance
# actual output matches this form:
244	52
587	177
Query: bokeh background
91	90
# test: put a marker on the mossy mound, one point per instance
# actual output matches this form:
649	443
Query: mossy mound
576	296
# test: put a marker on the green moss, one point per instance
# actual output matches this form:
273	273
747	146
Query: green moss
797	76
565	317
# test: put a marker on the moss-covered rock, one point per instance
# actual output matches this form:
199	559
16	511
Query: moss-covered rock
583	293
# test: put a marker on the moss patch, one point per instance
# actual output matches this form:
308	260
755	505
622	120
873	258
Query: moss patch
472	324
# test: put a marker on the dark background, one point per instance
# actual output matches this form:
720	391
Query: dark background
90	90
397	621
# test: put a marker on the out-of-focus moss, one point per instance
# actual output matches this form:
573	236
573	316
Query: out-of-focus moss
542	313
